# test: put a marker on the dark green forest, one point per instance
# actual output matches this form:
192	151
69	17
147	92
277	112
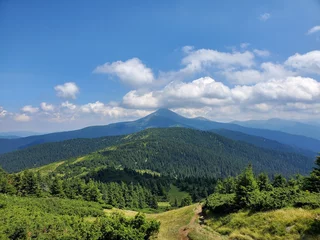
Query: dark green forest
180	153
176	152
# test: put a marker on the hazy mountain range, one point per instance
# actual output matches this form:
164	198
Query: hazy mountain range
164	118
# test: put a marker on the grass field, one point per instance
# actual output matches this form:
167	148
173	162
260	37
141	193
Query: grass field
171	221
175	193
283	224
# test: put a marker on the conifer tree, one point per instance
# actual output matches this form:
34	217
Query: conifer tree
56	188
313	181
279	181
264	182
246	187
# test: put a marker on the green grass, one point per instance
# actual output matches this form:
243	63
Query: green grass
48	168
175	193
283	224
163	204
171	221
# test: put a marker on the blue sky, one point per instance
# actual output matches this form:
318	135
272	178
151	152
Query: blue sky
243	49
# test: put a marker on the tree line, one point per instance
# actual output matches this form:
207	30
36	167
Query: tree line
121	195
258	193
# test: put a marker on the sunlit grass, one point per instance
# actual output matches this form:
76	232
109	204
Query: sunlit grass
286	224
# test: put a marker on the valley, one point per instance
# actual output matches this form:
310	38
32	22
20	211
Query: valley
189	184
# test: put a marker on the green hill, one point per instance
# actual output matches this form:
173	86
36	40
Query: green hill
180	153
174	152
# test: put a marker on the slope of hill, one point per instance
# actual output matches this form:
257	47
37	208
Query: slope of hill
47	153
263	142
162	118
181	152
292	127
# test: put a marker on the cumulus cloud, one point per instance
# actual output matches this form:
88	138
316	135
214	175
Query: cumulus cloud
67	90
308	63
113	112
68	105
290	89
29	109
266	72
264	17
46	107
131	72
206	91
197	60
314	30
22	117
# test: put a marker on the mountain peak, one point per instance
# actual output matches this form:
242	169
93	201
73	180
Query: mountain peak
163	111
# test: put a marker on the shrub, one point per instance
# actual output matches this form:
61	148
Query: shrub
221	203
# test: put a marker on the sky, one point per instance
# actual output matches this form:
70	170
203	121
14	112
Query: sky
69	64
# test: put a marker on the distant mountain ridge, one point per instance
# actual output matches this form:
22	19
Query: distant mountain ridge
288	126
163	118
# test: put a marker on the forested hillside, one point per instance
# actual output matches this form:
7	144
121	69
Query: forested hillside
263	142
46	153
175	152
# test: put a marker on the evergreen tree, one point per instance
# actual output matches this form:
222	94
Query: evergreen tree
5	183
246	187
313	181
186	201
263	182
56	188
153	202
279	181
92	192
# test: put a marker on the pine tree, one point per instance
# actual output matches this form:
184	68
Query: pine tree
246	187
56	188
313	181
263	182
92	192
279	181
186	201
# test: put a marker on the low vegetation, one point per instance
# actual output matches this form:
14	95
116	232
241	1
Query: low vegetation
249	207
54	218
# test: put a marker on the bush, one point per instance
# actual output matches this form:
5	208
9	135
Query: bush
221	203
308	200
270	200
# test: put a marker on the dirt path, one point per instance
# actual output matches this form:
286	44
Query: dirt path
185	230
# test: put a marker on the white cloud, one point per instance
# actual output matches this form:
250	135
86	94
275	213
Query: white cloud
68	105
208	92
22	118
29	109
202	91
264	17
197	60
290	89
67	90
112	112
187	49
244	45
313	30
308	63
261	53
3	112
47	107
266	72
131	72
